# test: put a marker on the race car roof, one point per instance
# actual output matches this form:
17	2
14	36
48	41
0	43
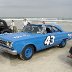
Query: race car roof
51	24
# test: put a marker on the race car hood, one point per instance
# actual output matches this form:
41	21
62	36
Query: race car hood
17	36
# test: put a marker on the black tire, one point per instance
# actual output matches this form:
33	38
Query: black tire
62	44
23	55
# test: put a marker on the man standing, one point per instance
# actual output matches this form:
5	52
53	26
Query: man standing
25	22
70	51
13	27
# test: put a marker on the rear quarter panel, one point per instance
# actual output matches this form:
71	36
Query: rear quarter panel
65	36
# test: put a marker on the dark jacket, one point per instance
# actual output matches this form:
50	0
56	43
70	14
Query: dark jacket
70	51
4	27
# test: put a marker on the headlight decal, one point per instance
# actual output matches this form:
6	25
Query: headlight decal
6	43
9	44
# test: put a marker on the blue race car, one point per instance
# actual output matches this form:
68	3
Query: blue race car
34	37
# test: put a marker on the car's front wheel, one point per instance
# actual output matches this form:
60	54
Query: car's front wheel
62	44
27	52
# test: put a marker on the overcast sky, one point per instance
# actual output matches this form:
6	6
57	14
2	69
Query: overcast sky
36	8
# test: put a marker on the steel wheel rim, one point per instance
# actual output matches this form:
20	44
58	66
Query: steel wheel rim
28	52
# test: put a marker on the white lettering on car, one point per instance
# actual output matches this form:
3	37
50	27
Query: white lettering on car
20	36
49	40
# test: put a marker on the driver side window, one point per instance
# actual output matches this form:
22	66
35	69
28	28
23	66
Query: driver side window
48	30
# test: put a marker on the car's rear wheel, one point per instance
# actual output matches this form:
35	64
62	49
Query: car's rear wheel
27	52
62	44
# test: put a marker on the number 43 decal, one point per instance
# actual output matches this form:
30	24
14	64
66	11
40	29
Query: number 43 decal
49	40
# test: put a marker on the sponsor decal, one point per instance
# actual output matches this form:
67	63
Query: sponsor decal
20	36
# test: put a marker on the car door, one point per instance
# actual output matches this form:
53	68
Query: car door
49	38
52	37
44	40
57	33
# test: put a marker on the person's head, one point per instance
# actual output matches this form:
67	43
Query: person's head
43	22
12	20
25	19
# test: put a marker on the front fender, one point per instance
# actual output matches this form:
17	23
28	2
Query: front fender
19	45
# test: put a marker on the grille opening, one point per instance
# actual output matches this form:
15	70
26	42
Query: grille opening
2	42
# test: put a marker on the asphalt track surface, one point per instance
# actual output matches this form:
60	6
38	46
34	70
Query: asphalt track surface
50	60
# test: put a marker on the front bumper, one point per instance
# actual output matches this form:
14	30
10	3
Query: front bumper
13	52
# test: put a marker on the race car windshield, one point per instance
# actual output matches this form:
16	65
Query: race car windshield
32	28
